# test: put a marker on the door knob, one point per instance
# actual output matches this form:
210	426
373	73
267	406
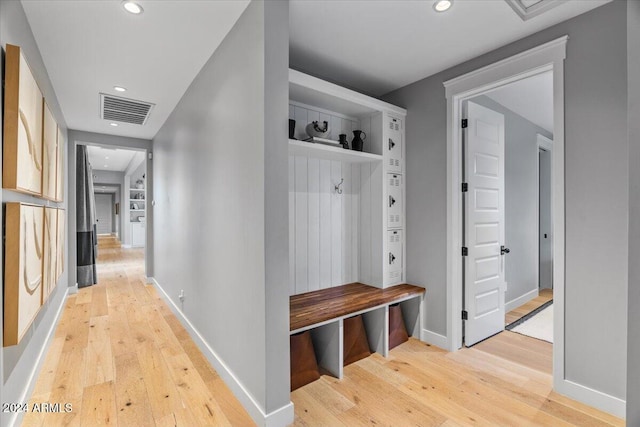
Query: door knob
504	250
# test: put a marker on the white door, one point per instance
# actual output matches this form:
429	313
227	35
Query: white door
484	283
104	213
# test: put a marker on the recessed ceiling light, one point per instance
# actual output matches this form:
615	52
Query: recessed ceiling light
113	124
442	5
106	158
120	89
132	7
106	166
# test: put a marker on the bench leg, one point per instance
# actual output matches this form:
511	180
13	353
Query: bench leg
376	323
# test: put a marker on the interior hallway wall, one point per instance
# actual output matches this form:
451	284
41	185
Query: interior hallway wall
18	364
633	343
221	193
596	180
521	203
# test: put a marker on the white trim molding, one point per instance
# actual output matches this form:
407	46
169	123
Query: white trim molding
544	58
522	299
280	417
434	338
597	399
16	418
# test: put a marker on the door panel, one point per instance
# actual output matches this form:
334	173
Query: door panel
484	223
545	239
104	213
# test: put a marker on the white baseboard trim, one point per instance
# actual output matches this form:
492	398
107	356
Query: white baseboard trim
73	289
434	339
523	299
125	246
278	418
16	419
149	280
597	399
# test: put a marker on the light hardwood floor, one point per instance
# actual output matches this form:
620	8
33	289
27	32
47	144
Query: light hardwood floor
421	385
545	296
120	357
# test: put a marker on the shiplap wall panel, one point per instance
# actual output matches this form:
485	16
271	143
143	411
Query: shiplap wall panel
292	216
325	225
301	224
336	224
313	200
365	224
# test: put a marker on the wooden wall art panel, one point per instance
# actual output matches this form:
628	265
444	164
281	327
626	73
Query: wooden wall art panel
50	260
22	155
50	155
60	167
60	254
23	269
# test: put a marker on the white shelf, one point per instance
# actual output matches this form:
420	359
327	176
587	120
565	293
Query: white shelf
301	148
137	200
136	189
136	210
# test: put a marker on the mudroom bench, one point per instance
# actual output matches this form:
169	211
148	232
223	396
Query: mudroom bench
355	315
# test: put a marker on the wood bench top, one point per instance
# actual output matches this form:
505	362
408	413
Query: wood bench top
320	306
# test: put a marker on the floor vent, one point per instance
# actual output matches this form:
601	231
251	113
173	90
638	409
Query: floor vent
117	109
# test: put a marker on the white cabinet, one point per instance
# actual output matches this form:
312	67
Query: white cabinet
395	201
395	259
394	145
138	234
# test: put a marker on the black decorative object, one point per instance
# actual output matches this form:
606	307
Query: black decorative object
292	128
343	141
357	143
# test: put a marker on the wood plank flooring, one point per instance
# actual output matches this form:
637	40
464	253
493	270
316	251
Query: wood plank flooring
545	296
422	385
121	358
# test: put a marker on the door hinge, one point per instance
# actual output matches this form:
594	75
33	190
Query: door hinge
465	123
465	251
465	187
465	315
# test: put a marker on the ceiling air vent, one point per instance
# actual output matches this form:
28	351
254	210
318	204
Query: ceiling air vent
117	109
527	9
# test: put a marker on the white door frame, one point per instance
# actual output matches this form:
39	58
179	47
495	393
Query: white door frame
547	57
546	144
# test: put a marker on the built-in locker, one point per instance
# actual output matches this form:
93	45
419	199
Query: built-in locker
395	246
395	196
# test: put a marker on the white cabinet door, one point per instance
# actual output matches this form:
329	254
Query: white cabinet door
394	202
138	234
393	145
394	257
484	224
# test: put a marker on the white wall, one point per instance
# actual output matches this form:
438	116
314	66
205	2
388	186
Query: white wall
596	179
521	203
221	204
19	364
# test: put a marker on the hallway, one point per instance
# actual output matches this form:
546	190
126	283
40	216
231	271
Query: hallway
120	357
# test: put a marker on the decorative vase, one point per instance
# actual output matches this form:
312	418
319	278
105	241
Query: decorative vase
314	129
357	143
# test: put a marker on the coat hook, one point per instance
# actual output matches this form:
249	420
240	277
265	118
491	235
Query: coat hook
338	187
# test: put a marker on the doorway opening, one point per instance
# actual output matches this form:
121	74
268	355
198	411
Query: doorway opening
120	198
477	310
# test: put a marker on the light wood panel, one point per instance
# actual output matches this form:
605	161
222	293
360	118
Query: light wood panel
326	304
23	269
121	357
423	385
22	155
50	257
545	296
49	154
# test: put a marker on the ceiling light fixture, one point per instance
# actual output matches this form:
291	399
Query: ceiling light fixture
106	166
120	89
114	124
132	7
442	5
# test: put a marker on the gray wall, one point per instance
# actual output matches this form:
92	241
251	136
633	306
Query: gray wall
633	343
18	362
76	138
117	178
596	179
521	199
221	174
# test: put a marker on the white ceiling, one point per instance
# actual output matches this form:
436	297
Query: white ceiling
531	98
115	160
90	46
379	46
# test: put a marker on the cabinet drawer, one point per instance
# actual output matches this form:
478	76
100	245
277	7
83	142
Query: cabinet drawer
393	145
395	244
394	201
